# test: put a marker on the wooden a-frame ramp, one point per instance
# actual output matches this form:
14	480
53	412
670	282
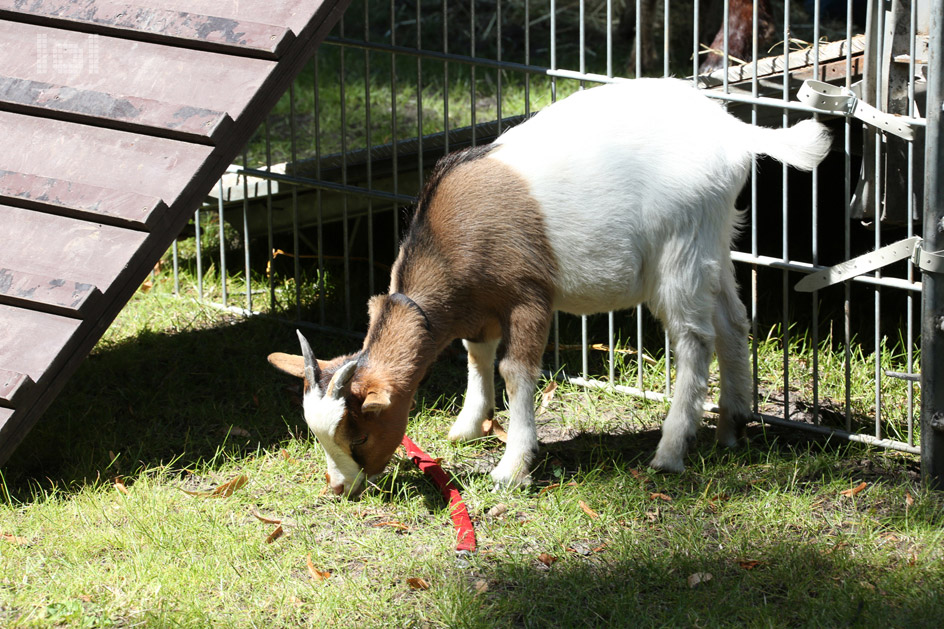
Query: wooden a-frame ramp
116	119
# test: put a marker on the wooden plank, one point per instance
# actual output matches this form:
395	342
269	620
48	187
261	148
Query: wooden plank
50	294
180	28
158	168
31	342
68	198
110	73
65	249
290	13
13	386
131	113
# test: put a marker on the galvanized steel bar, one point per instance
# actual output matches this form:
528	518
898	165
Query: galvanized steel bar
932	307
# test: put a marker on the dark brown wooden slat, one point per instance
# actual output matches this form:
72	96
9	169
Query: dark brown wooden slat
107	158
207	32
69	249
68	198
13	385
131	113
65	297
31	342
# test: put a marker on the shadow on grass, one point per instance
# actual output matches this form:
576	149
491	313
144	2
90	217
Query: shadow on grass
157	399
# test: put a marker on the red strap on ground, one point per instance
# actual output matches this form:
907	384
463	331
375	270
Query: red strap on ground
465	534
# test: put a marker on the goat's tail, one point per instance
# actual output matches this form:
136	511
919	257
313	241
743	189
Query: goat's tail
803	146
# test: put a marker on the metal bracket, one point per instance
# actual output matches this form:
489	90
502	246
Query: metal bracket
927	261
839	101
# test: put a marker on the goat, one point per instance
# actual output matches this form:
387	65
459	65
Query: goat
614	196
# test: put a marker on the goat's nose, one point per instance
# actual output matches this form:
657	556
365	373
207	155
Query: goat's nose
338	489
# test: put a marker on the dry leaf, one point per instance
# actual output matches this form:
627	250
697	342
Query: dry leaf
547	395
481	586
265	519
699	577
147	285
236	431
855	490
909	500
276	534
748	564
547	559
226	489
14	539
392	524
500	509
418	583
586	509
549	488
317	575
492	427
120	486
660	496
286	455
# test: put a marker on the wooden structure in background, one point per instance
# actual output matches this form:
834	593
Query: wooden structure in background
116	119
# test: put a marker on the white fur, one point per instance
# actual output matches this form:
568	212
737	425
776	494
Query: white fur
637	183
323	416
479	403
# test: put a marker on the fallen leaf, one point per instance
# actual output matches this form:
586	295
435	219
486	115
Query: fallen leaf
855	490
14	539
699	577
147	285
85	598
548	488
547	559
500	509
586	509
120	486
276	534
236	431
226	489
286	455
547	395
748	564
481	586
909	499
317	575
660	496
418	583
392	524
265	519
492	427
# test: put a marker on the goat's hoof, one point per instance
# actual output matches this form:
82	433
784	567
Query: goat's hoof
465	433
731	431
504	480
669	464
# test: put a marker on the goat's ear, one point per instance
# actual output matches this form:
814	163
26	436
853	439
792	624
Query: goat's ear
376	402
288	363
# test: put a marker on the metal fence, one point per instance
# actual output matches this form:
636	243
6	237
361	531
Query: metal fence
307	225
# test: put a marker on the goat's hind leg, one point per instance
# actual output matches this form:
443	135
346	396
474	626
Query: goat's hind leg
734	363
479	403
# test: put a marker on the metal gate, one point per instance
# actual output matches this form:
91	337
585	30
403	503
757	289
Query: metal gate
305	226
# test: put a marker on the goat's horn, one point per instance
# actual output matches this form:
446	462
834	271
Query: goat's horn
312	372
340	383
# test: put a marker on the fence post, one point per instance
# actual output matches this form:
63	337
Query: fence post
932	300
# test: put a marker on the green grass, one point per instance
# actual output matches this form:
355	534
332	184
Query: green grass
178	398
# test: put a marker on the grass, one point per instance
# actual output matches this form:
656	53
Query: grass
97	527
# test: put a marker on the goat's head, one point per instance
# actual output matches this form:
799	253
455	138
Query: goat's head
358	418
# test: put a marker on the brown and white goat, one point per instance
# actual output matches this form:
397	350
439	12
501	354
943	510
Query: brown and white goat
615	196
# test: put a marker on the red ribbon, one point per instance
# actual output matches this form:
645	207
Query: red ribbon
465	534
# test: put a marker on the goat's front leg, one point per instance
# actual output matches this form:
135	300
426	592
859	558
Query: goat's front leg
479	403
520	367
693	355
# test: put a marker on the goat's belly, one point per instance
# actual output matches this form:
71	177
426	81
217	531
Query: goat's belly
591	287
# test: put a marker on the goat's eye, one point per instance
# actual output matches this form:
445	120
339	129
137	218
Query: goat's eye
359	442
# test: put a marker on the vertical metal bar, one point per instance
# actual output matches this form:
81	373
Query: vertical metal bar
879	189
419	95
611	344
639	347
639	30
345	226
296	249
666	32
609	37
270	238
847	233
785	214
725	61
176	262
755	91
472	86
445	31
584	348
695	49
319	200
909	340
814	228
199	248
527	57
371	280
222	244
247	269
498	72
932	296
